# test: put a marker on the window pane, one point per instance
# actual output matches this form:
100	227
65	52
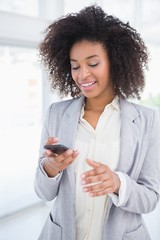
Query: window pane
29	7
20	126
150	28
151	95
109	6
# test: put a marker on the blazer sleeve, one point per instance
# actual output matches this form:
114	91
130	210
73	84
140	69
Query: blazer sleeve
142	195
45	187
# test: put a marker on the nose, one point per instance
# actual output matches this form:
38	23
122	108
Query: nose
83	73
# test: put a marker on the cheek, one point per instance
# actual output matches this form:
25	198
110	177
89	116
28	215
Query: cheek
74	76
105	75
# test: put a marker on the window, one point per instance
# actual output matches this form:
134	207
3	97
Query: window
20	126
150	29
24	97
29	7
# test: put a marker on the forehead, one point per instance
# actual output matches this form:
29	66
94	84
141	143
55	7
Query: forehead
84	49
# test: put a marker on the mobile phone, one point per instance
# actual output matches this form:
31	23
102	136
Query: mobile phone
56	148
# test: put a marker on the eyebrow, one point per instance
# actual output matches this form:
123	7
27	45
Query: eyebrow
92	56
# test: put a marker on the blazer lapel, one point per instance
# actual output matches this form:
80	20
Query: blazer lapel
70	123
129	140
68	132
129	136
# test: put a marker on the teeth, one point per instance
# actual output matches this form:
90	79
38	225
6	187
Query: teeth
87	84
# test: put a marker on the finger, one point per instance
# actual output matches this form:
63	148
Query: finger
66	163
97	186
70	158
94	179
47	153
66	154
52	140
96	171
62	162
100	193
75	153
92	163
99	189
63	156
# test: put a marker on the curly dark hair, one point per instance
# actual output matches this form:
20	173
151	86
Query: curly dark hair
126	50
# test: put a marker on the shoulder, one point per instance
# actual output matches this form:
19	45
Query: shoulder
58	109
66	104
147	112
144	120
139	113
62	104
137	108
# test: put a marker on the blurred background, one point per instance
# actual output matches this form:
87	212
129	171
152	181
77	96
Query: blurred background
25	96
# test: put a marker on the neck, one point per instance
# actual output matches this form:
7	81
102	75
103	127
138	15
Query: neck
93	104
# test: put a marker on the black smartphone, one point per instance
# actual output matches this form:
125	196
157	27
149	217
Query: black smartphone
56	148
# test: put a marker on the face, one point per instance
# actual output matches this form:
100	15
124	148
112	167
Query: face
90	69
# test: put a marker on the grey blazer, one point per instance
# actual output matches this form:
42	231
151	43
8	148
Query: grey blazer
139	160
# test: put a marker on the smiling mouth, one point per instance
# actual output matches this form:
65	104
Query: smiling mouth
87	84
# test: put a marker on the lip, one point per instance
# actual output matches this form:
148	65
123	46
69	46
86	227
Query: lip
87	85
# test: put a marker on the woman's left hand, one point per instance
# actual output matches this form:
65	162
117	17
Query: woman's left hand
100	180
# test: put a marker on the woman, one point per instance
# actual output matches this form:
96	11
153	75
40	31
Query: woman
110	174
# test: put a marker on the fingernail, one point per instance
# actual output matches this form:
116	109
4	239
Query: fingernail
56	138
69	152
83	182
83	176
91	194
48	151
85	190
76	152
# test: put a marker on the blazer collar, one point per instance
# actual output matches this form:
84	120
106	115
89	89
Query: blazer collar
128	110
75	107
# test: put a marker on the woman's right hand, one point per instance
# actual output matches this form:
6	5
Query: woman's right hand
53	163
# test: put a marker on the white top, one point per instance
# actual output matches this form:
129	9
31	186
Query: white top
102	145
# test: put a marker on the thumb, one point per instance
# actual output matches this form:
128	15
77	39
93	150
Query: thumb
52	140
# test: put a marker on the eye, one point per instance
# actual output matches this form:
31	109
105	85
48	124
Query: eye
74	68
93	65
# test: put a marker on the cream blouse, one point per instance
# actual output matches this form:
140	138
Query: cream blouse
102	145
